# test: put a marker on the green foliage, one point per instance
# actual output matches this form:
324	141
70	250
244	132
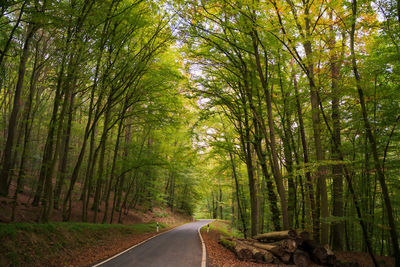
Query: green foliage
223	227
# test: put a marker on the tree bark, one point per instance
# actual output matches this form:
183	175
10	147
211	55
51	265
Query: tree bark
241	213
112	174
12	123
100	171
337	173
309	182
64	155
322	198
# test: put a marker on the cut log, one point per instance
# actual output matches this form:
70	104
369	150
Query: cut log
319	254
301	258
309	245
258	256
289	245
305	235
302	252
243	252
346	264
262	256
276	236
286	258
269	258
276	250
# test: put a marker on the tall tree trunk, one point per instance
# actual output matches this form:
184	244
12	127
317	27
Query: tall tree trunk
64	155
240	210
100	171
287	150
272	198
121	184
246	147
337	227
12	123
112	174
322	194
309	182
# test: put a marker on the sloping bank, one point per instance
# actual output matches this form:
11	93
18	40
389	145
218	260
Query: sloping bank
67	244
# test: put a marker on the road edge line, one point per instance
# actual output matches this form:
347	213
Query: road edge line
204	253
138	244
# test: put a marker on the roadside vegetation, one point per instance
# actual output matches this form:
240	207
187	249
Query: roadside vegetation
66	243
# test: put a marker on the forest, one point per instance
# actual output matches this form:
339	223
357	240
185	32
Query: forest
271	114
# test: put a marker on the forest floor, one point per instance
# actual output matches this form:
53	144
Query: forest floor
219	256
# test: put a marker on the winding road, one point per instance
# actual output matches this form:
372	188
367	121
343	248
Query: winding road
180	247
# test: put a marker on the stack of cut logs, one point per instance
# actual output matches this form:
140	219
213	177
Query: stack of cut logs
286	247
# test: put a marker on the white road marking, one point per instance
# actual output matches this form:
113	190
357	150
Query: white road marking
204	256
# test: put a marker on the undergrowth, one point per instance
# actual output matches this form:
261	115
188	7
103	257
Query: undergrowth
23	244
224	227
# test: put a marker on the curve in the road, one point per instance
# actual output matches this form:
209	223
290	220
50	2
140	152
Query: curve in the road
179	247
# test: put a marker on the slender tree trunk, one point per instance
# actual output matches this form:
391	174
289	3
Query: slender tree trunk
287	150
322	195
337	227
122	181
306	158
113	166
12	123
241	214
246	147
64	155
272	198
100	171
121	178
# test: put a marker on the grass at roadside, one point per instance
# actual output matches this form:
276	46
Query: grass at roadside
224	228
23	244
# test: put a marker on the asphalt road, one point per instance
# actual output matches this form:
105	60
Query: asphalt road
180	247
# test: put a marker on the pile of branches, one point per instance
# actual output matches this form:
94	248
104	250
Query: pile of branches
287	247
